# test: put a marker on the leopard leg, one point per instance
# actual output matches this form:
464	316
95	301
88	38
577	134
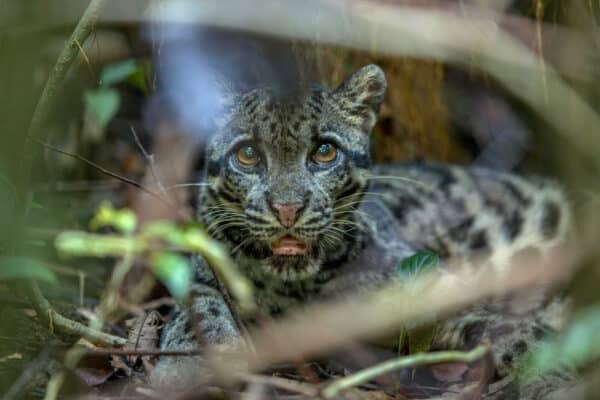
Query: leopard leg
216	327
513	329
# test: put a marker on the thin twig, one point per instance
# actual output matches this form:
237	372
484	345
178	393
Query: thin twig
417	360
105	171
151	162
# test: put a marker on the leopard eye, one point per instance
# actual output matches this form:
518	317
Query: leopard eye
247	156
325	153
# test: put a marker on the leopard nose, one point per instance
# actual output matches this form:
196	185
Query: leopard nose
288	213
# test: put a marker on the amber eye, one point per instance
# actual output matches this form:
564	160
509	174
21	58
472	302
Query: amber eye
247	156
325	153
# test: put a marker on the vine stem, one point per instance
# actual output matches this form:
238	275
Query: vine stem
40	115
417	360
67	56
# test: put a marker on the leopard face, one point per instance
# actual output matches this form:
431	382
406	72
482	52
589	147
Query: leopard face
284	176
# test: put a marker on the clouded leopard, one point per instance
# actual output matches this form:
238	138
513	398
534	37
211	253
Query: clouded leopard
291	191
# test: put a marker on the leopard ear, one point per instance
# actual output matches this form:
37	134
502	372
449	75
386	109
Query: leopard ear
361	94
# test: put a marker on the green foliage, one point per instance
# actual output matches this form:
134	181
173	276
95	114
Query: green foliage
421	262
131	71
140	76
418	338
14	267
174	271
102	103
118	72
577	347
123	220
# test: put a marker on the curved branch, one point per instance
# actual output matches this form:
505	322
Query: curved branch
417	360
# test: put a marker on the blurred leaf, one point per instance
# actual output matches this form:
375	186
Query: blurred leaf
103	104
14	267
118	72
576	347
174	271
419	263
579	345
139	77
417	338
420	338
75	243
123	220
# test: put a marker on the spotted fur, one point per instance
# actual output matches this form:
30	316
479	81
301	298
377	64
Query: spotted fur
358	221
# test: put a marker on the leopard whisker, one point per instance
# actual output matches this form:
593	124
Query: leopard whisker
400	178
362	194
185	185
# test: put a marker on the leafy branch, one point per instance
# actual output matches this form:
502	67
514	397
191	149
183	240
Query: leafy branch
159	243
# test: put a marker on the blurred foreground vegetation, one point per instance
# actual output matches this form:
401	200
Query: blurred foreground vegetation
109	134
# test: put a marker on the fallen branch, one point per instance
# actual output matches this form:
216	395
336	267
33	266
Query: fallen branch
65	325
339	385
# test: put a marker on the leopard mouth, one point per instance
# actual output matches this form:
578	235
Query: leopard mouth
289	246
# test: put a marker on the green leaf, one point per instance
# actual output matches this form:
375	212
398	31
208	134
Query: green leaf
14	267
138	78
174	271
579	345
419	263
103	103
123	220
118	72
